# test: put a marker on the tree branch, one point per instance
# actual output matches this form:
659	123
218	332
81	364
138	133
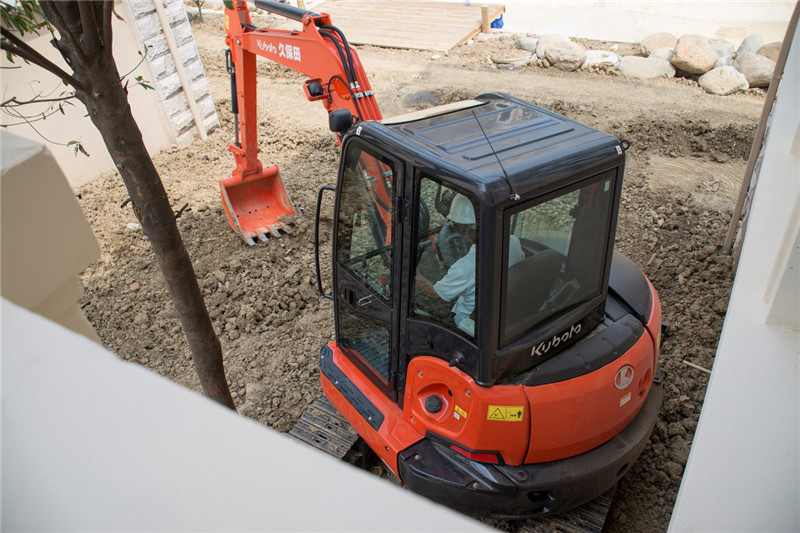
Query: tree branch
53	15
108	9
39	133
13	102
16	46
91	37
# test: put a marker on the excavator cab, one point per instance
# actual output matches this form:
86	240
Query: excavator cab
490	346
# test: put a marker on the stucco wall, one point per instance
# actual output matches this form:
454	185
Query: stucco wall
161	113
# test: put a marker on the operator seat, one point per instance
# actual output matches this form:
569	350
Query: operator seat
450	245
528	287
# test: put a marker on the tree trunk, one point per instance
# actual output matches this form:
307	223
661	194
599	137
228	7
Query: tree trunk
112	116
106	101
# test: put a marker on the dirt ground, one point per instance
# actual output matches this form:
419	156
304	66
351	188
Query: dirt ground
688	154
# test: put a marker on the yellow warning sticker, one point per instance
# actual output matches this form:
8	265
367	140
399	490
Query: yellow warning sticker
460	413
505	413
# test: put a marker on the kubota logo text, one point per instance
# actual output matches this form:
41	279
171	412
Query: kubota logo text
286	51
544	347
267	47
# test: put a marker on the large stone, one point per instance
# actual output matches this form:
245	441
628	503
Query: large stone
547	40
657	40
646	67
566	55
662	53
724	51
561	52
722	47
724	61
601	58
723	81
512	59
751	44
694	54
756	68
770	51
526	43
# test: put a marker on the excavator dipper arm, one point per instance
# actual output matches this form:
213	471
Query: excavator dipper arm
254	197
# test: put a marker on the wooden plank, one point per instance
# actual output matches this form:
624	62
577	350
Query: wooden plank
436	26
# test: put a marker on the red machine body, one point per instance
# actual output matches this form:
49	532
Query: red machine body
550	395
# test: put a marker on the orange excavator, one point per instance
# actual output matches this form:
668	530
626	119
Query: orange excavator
491	347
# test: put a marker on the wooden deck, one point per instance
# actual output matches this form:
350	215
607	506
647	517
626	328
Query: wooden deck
436	26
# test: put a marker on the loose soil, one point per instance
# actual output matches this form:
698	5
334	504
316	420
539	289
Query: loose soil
688	154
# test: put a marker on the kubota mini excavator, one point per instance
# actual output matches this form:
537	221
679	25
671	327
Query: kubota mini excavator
491	347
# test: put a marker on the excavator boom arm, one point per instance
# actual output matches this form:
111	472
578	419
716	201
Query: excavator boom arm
318	50
254	197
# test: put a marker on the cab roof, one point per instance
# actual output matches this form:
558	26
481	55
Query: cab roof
495	135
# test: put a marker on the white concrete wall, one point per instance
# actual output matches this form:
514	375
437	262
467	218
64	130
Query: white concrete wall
743	472
162	113
46	240
93	443
26	81
632	20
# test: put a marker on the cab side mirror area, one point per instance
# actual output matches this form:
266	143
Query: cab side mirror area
340	120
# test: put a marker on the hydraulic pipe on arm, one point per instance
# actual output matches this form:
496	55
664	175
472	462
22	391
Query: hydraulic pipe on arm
254	197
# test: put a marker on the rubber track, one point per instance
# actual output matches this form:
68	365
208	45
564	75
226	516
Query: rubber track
322	427
588	518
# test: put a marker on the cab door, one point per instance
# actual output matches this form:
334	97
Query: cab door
366	262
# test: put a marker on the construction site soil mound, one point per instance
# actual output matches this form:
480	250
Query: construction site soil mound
688	155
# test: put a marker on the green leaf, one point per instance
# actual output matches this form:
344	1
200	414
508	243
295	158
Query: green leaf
23	16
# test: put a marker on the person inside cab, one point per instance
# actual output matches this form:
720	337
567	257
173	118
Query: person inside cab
458	285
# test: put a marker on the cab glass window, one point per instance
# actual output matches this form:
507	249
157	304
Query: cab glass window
365	219
445	281
556	255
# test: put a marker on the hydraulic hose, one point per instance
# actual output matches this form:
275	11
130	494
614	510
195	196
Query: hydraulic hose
352	96
342	56
349	62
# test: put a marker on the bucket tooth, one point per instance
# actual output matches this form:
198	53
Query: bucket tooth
254	202
275	229
262	236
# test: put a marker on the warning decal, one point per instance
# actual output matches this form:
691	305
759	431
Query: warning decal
505	413
459	413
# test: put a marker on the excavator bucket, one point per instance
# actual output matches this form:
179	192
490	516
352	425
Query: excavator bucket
255	203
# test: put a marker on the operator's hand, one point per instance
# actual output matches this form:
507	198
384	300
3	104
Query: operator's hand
426	287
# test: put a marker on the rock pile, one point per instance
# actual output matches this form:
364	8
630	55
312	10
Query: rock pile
717	66
721	69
